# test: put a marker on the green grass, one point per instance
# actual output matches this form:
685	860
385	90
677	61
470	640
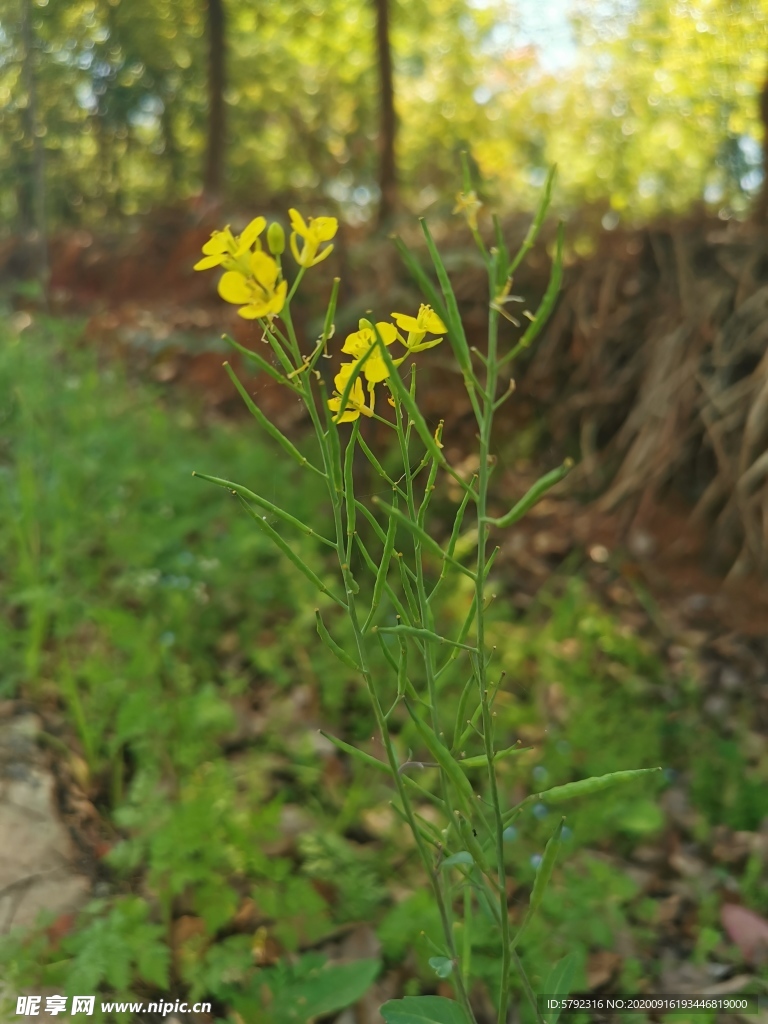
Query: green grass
149	621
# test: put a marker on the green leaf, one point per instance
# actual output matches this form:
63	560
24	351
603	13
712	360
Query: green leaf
245	494
289	553
442	966
423	1010
266	424
327	989
361	755
558	983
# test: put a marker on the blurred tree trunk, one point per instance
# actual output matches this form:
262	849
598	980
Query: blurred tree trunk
32	207
760	212
213	175
387	123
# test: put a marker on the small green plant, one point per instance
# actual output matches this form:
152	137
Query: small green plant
392	568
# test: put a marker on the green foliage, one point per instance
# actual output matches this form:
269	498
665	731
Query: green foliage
423	1010
312	988
657	109
726	787
117	948
662	110
331	859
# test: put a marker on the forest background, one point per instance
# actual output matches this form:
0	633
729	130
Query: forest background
109	109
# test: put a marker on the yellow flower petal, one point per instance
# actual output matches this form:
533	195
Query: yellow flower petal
375	369
406	323
208	261
324	228
321	256
233	287
357	344
251	233
422	346
264	269
297	223
219	242
347	416
279	300
431	321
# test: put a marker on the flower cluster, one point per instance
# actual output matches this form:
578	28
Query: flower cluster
253	279
363	346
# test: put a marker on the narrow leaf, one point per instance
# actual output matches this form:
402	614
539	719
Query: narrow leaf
244	493
290	554
262	364
268	425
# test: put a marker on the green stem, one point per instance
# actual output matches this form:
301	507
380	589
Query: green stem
486	424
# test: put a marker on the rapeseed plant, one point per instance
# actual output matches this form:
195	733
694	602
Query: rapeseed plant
390	598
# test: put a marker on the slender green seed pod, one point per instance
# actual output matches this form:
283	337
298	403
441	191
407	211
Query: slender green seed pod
533	495
586	787
545	869
328	640
456	777
422	634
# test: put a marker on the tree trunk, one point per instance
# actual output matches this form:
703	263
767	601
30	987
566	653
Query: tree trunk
34	214
760	212
387	123
213	175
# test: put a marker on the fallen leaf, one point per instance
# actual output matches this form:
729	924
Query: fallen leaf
748	930
602	966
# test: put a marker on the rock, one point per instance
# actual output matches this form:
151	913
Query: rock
37	855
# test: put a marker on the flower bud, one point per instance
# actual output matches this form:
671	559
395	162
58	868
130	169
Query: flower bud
276	239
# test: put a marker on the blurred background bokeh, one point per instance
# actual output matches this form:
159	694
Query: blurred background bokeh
109	109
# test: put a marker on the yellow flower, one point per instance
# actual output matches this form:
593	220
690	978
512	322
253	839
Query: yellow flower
227	250
355	404
258	291
317	231
468	204
426	322
358	344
